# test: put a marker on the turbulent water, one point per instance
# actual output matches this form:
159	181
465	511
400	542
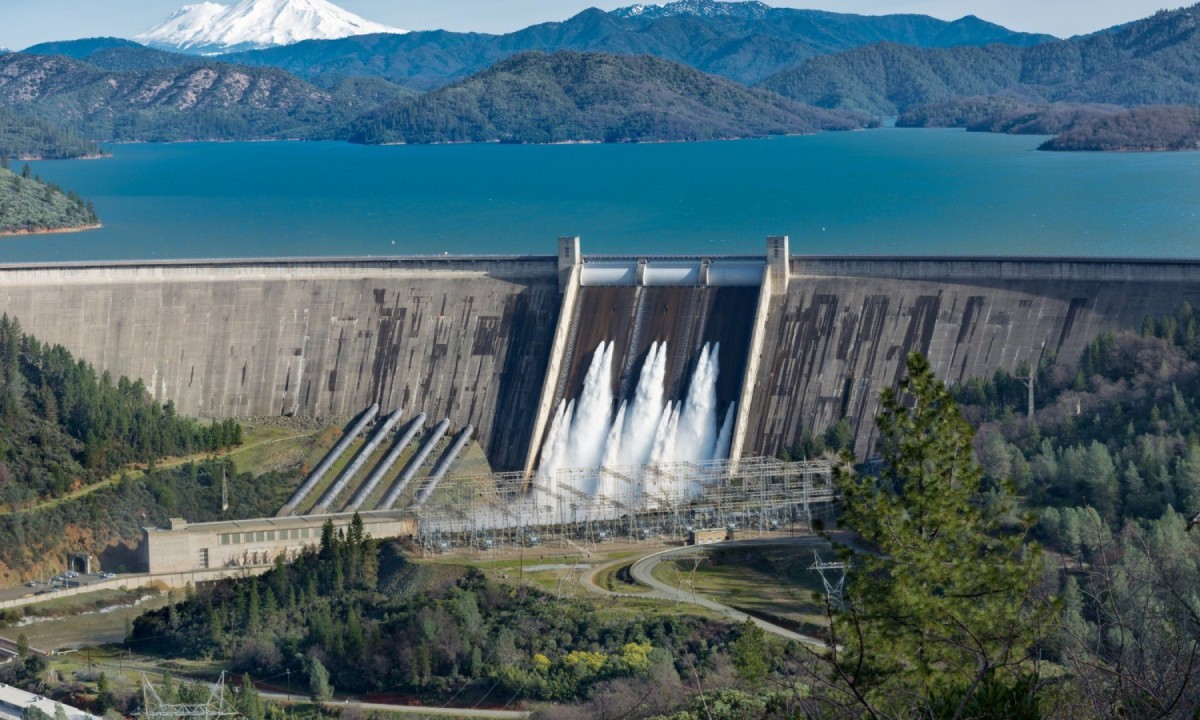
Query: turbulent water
891	191
587	433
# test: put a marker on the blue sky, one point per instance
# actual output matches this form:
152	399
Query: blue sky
25	22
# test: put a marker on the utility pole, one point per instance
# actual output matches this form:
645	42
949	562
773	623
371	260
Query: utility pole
224	487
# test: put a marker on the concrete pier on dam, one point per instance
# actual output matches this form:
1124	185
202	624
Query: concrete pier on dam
498	342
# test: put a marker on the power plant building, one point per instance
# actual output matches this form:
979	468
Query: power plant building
184	546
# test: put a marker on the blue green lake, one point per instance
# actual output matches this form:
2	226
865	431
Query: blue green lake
887	191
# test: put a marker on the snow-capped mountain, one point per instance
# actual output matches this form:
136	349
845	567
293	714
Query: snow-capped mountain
700	8
210	28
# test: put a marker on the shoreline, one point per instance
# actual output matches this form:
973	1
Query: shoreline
50	231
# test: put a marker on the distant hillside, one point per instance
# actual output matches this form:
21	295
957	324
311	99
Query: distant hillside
1077	126
741	41
886	79
1148	62
115	54
29	205
1137	129
569	96
208	101
80	49
25	138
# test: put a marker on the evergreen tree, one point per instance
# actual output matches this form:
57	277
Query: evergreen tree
318	680
942	606
249	703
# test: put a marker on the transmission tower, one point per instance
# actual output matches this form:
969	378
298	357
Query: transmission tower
216	707
834	582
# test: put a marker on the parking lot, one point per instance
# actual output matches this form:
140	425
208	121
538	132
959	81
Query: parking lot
70	579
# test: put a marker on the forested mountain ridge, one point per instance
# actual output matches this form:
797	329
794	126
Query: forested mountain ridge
196	102
28	205
1147	62
743	46
570	97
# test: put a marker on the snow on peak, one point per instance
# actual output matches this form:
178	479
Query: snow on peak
210	28
700	8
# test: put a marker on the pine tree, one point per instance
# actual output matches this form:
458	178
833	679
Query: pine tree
942	605
318	679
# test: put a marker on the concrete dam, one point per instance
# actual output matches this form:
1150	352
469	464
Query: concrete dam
502	345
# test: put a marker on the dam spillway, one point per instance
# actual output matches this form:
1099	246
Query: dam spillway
498	342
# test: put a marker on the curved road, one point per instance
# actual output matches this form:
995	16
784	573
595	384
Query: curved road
642	570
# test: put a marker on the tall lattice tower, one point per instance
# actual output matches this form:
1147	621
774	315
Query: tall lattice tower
214	708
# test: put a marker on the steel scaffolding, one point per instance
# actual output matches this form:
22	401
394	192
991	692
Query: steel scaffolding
215	707
753	495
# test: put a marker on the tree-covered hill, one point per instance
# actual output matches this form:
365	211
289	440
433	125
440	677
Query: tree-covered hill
1003	114
1076	126
194	102
1148	62
568	96
64	426
115	54
29	205
80	49
1142	128
887	78
26	138
741	41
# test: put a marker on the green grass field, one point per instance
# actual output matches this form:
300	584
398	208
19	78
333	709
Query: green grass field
772	583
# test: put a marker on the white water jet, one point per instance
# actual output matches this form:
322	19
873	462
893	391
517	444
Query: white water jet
555	447
697	433
663	450
637	437
646	431
612	449
590	425
725	437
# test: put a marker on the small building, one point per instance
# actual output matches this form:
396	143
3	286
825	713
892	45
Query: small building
185	547
14	703
707	537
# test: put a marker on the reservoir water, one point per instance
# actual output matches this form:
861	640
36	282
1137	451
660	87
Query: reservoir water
890	191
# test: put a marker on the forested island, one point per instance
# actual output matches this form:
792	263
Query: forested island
28	205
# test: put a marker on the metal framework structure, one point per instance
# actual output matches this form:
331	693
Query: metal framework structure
835	582
214	708
752	495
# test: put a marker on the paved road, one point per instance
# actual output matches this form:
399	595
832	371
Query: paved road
146	666
643	571
410	709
